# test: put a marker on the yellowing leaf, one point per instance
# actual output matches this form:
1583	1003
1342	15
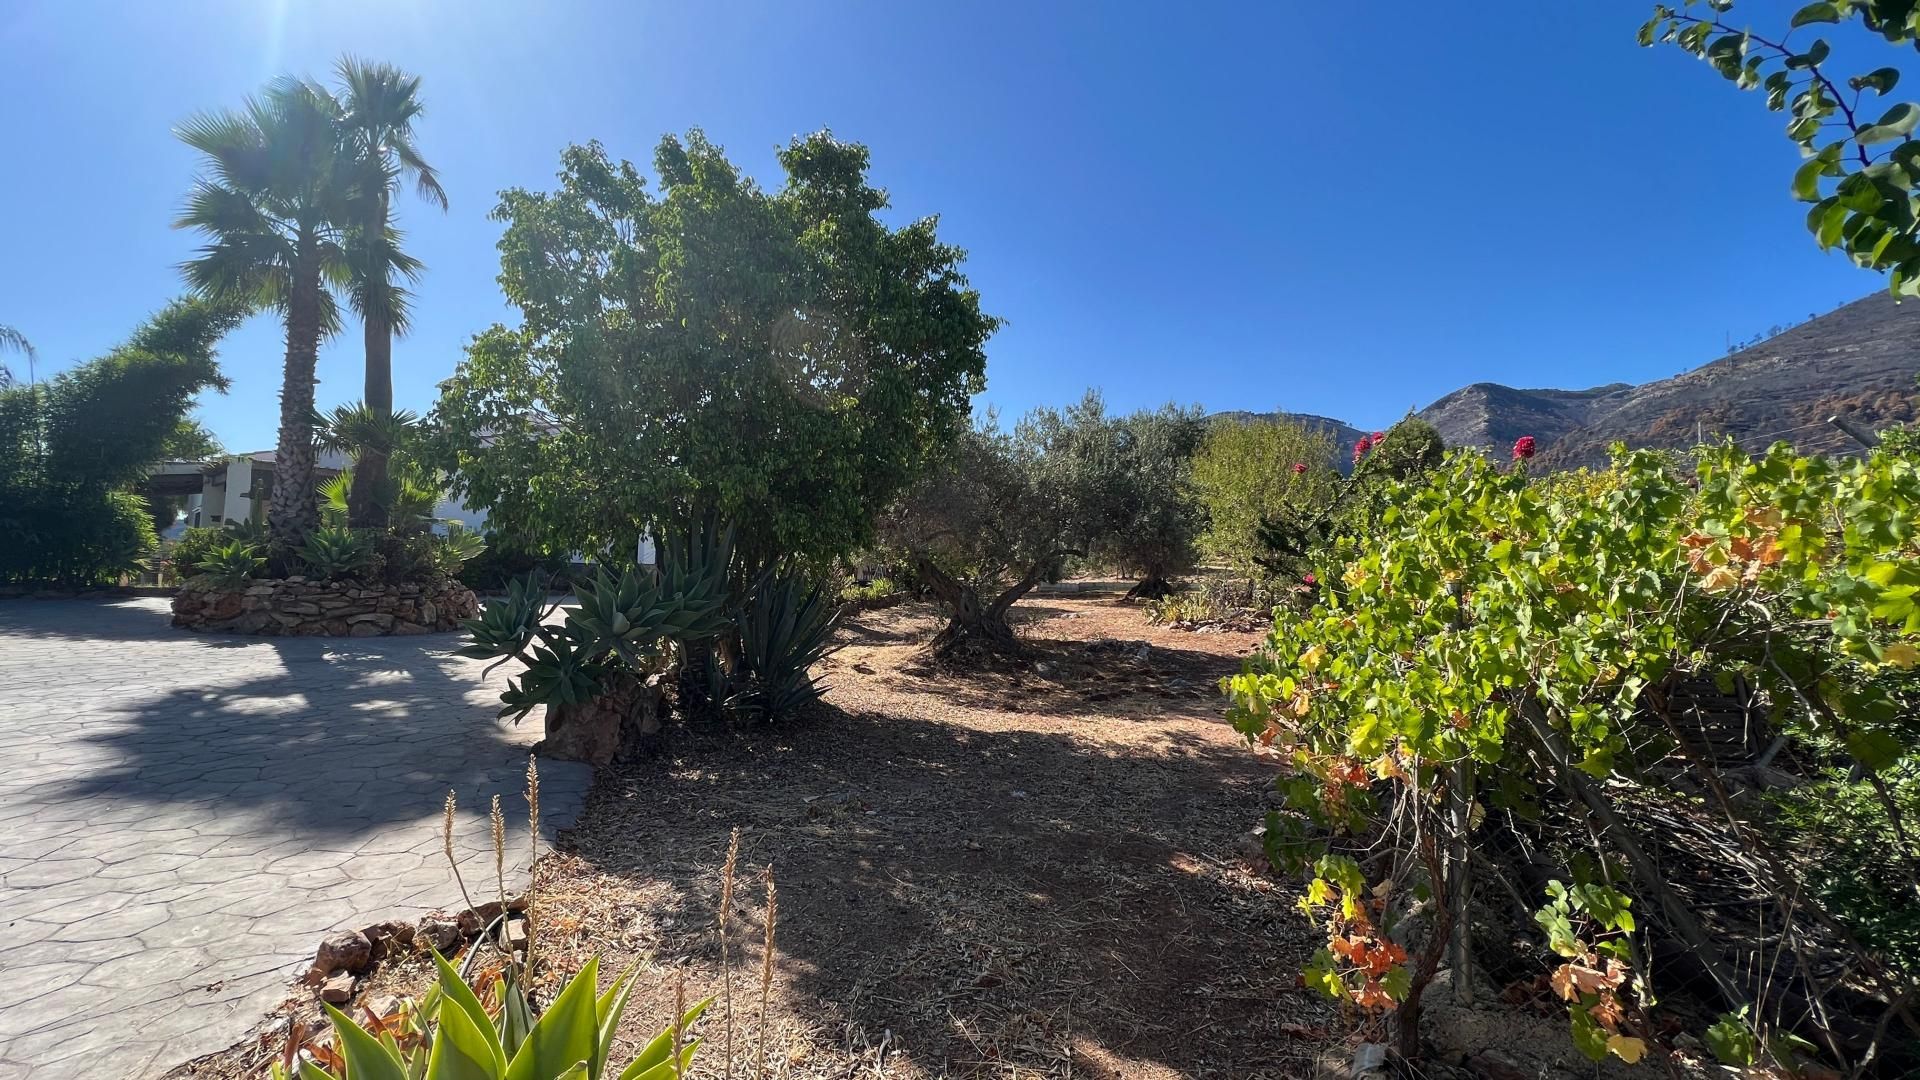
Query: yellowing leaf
1720	579
1310	660
1900	655
1627	1048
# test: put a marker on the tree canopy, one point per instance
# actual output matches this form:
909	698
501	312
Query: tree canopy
1247	473
782	359
1133	473
1861	162
71	449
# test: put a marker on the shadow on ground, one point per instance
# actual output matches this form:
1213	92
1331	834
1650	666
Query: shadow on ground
978	899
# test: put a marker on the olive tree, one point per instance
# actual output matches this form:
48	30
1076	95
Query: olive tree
1134	474
1249	472
993	520
781	359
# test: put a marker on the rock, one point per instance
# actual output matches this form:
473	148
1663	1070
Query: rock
437	930
408	629
513	935
378	618
348	950
1369	1057
1495	1065
338	989
428	613
382	1005
388	938
363	629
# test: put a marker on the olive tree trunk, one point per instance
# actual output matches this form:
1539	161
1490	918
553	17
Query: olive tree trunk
974	622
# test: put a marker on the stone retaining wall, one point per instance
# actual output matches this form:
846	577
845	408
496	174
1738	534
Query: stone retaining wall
297	606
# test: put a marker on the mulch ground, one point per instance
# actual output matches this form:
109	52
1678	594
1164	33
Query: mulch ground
1021	870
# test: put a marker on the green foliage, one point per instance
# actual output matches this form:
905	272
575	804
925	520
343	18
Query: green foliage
1732	1040
784	629
621	624
1865	869
71	448
1297	532
504	559
1246	474
782	358
194	544
1861	168
336	552
878	589
1489	618
232	563
573	1039
456	547
1135	475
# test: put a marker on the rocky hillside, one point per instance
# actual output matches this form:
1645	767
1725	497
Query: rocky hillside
1859	360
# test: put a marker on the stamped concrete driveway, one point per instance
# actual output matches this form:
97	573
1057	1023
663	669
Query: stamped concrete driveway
183	816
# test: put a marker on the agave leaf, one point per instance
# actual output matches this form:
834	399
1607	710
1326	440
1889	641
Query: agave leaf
516	1019
660	1049
612	1006
663	1069
463	1050
366	1059
455	990
566	1033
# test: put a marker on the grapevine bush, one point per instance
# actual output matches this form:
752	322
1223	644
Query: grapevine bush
1491	635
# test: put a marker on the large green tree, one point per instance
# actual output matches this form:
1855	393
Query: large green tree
1860	166
1135	471
990	522
379	105
783	359
274	201
72	449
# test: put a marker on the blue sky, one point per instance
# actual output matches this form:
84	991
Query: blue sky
1285	206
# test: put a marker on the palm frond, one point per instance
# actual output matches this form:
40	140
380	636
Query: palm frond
15	340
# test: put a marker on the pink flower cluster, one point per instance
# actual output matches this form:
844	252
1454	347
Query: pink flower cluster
1299	468
1523	448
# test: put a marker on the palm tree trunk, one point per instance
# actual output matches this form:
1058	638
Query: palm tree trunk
366	506
295	508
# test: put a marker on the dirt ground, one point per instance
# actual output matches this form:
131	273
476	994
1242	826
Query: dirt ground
1022	872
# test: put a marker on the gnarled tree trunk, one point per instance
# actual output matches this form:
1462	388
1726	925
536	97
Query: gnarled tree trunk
975	623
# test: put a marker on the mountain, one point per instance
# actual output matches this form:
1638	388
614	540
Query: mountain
1858	361
1489	414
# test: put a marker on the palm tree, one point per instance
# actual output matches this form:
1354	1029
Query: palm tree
12	339
275	203
380	102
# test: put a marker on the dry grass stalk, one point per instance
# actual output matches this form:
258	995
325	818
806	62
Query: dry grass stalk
499	822
766	966
726	968
679	1011
533	852
446	843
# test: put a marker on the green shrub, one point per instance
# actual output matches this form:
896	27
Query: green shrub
783	630
233	563
878	589
74	539
333	552
572	1040
503	560
456	549
195	544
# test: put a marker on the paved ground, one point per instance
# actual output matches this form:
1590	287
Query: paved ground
182	816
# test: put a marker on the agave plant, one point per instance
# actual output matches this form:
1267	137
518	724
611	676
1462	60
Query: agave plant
621	623
571	1040
232	563
334	552
454	549
784	630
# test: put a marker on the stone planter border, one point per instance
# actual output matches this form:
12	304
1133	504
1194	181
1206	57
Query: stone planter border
296	606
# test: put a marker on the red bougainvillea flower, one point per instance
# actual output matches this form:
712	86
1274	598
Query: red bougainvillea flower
1360	448
1309	579
1299	468
1379	437
1523	448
